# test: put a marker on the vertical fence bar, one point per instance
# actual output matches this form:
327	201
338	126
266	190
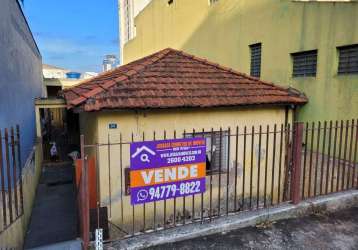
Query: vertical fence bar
287	168
339	154
133	209
345	155
85	197
317	157
2	175
304	162
243	170
236	165
350	164
14	172
175	199
328	155
323	153
355	156
122	180
20	166
144	226
334	155
258	170
7	159
184	195
193	197
98	198
155	203
165	201
311	160
220	168
202	194
296	168
227	171
273	162
280	166
266	161
109	178
211	174
252	162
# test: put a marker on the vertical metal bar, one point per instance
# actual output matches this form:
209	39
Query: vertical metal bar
18	142
155	203
133	210
334	155
328	155
280	166
350	164
344	155
7	159
202	194
2	175
339	154
109	178
85	197
323	153
144	226
288	154
296	168
317	157
273	162
304	163
243	170
311	160
236	164
266	161
258	170
220	162
252	163
211	174
14	172
193	197
228	171
184	195
175	199
97	187
355	155
165	201
122	180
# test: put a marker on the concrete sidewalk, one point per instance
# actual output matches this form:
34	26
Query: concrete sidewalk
336	230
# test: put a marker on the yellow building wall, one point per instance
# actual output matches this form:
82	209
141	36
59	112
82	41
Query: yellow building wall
222	33
112	165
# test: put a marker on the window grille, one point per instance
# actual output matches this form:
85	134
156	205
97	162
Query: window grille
255	60
304	63
348	59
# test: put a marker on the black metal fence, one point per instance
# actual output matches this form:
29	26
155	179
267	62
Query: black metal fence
247	168
11	203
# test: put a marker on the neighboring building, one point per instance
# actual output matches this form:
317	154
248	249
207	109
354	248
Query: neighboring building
174	92
310	45
56	78
20	83
128	10
109	62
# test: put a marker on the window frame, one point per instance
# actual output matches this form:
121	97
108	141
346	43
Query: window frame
253	71
348	71
305	55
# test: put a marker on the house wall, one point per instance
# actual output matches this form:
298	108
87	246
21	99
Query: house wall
20	74
112	164
222	33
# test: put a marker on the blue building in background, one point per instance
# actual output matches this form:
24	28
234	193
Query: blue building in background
21	78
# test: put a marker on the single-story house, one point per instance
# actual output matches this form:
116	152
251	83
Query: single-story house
174	94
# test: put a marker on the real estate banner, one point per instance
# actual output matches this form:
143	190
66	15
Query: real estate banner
166	169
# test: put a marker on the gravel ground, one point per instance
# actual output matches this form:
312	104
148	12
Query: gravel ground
337	230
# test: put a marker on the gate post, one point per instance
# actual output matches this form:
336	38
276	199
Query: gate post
296	162
84	197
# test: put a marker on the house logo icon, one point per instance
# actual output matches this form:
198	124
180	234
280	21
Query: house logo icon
144	153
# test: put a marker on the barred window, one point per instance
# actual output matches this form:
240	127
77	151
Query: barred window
213	1
304	63
255	69
348	59
216	150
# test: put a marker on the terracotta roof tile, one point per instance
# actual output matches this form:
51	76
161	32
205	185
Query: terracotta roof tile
171	78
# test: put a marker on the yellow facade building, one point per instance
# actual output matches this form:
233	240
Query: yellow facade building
309	45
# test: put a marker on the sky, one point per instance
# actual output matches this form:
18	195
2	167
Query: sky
74	34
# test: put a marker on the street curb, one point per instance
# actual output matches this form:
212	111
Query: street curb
327	203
